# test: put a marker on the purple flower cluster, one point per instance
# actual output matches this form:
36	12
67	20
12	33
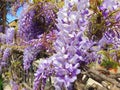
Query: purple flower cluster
42	74
6	54
109	9
73	47
36	29
109	6
30	54
6	38
35	20
10	32
2	63
14	85
35	46
71	24
2	38
3	60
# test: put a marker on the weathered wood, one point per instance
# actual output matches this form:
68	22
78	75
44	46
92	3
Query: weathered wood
26	85
103	77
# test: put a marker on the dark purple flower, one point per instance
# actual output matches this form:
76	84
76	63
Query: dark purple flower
36	20
117	18
1	28
105	13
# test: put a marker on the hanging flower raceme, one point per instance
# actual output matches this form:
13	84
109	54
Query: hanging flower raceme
103	19
71	24
36	46
30	54
46	69
2	38
111	16
78	40
6	54
8	39
10	33
35	20
37	30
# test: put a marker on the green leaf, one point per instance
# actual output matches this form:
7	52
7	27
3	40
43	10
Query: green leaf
1	82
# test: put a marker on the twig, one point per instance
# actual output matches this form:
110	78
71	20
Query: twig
103	77
29	88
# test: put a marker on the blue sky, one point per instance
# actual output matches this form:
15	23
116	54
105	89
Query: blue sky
11	17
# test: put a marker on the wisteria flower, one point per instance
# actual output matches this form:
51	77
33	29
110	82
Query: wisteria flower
10	35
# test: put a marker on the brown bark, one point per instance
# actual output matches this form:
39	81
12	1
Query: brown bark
3	15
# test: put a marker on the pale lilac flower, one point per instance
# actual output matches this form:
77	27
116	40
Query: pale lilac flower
45	70
2	38
73	48
14	85
6	54
110	4
2	64
65	60
82	4
68	74
29	55
10	35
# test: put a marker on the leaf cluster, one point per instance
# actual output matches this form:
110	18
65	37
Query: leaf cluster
108	60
